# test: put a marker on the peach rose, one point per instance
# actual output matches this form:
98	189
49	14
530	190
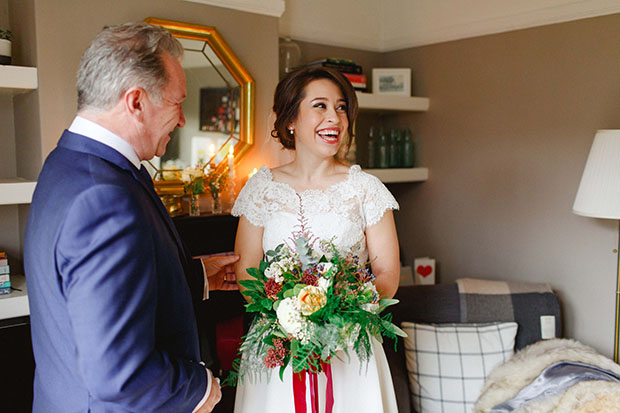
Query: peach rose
311	299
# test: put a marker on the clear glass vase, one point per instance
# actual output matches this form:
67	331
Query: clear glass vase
217	204
194	205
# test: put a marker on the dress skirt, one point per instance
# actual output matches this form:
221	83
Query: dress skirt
358	387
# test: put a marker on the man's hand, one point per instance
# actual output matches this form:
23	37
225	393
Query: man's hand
220	272
214	396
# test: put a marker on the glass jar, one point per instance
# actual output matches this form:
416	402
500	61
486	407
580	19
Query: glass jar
289	55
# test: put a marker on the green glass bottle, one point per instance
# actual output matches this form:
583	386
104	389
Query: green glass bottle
372	149
407	149
382	151
393	149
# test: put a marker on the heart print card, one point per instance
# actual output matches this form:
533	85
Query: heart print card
424	271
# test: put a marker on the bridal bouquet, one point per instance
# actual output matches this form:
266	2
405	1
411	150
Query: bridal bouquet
311	304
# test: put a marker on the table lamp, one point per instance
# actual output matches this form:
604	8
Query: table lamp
598	195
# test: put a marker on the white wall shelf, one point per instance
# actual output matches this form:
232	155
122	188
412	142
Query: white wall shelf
389	103
17	79
395	175
16	191
15	304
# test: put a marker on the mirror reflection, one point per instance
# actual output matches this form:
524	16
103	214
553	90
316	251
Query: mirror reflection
212	111
218	108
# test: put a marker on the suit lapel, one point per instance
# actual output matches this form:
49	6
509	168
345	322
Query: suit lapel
145	179
84	144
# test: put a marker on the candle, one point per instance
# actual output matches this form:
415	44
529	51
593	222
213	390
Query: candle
211	151
231	162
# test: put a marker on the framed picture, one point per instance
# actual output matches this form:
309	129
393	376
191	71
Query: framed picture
217	109
391	81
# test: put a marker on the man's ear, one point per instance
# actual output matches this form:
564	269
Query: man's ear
134	99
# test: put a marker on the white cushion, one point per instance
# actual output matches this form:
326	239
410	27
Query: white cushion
448	363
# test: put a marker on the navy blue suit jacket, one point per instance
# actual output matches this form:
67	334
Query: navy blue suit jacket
113	327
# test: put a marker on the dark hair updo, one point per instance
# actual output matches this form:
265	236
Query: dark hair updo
291	91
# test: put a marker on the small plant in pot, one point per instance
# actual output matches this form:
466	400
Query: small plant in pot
5	46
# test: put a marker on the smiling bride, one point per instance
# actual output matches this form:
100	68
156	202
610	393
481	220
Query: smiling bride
318	194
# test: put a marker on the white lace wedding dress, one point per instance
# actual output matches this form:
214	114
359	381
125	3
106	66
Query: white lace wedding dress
343	211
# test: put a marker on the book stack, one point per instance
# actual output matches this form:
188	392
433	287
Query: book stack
348	68
5	279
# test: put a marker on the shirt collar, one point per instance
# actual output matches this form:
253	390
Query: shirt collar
94	131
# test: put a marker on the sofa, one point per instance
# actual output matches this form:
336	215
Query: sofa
471	301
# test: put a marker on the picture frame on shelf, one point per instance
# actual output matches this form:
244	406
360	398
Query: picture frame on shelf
391	81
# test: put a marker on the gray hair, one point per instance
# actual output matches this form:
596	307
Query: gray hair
121	57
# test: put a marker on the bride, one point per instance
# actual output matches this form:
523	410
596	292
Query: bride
316	193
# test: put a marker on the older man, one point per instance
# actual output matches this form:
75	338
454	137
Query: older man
113	326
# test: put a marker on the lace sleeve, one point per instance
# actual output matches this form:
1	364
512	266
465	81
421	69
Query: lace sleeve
377	199
250	201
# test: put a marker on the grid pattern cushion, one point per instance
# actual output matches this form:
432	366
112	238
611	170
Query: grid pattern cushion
448	363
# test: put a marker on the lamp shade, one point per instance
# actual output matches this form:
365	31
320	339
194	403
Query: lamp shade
598	195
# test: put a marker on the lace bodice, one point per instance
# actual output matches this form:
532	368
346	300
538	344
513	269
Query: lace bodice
341	212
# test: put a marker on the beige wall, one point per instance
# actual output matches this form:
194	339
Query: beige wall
511	121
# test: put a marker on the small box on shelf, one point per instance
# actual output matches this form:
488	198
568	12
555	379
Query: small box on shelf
15	304
5	276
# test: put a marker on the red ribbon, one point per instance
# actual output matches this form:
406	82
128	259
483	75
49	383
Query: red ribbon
299	390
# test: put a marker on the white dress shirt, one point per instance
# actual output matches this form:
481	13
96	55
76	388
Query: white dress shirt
98	133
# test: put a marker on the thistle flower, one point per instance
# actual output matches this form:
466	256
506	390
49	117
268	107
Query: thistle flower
309	279
272	288
276	354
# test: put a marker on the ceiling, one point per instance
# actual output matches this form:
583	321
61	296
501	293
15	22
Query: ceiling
386	25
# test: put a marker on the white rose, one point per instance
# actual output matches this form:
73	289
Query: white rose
289	316
189	174
324	283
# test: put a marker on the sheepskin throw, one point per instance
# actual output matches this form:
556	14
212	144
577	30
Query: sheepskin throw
508	379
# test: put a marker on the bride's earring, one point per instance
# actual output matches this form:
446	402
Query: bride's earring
291	131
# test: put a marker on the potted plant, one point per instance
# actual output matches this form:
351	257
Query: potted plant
5	46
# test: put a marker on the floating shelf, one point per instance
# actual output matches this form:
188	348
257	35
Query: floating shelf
394	175
15	304
17	79
16	191
375	102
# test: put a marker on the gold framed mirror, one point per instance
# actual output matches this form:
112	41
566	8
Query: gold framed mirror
219	109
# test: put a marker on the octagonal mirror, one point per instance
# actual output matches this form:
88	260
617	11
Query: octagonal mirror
219	106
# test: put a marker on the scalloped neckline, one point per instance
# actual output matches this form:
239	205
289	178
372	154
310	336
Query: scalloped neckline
352	169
